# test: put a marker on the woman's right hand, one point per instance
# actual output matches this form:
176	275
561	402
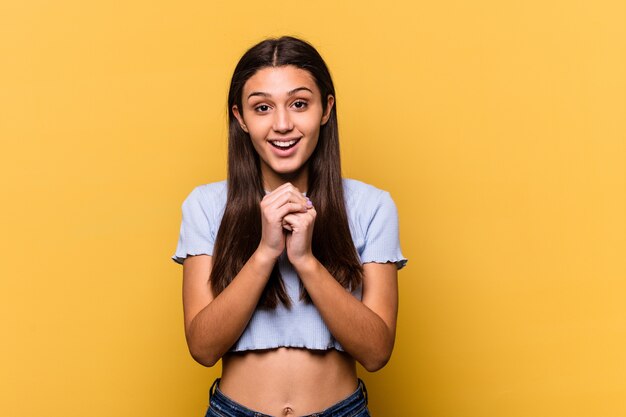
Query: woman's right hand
274	207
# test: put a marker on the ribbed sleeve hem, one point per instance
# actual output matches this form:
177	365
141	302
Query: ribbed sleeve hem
182	254
309	346
400	262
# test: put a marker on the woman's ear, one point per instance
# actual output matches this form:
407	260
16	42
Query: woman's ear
330	102
239	117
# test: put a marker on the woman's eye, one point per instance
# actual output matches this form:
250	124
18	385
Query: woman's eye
300	104
262	108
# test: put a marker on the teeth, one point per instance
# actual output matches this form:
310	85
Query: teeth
283	144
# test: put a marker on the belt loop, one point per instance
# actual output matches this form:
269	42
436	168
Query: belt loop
212	389
363	389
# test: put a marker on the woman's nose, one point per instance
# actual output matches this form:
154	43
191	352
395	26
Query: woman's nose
282	121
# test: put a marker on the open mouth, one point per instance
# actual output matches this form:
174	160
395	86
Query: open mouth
284	144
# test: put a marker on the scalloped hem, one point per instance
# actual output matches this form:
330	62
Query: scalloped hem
180	259
400	262
276	346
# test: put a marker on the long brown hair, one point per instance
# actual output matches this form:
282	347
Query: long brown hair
240	230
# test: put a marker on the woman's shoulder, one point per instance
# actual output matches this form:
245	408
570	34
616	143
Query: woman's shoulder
218	187
356	191
212	189
209	195
364	201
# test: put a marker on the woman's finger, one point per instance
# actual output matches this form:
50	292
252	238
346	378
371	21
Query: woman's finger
284	193
299	221
286	199
289	208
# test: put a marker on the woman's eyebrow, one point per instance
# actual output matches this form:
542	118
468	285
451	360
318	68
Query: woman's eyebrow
295	90
258	93
289	93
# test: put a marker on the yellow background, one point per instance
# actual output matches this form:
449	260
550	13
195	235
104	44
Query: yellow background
498	127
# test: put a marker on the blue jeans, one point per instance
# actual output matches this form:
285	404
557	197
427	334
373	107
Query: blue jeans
353	406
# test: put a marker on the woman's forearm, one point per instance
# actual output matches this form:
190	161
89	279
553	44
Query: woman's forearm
359	330
218	325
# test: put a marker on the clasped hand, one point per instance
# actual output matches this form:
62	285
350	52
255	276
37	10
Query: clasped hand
287	219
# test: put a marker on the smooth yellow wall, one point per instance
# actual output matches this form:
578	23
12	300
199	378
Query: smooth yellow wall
498	127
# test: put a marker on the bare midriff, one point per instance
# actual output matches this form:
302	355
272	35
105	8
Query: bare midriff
288	381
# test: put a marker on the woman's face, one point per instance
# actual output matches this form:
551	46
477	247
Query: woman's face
282	111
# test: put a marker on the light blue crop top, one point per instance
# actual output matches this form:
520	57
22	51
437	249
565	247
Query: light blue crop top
373	223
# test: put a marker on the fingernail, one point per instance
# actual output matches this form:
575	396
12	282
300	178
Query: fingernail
309	203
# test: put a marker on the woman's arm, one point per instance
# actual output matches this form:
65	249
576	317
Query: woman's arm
214	323
365	329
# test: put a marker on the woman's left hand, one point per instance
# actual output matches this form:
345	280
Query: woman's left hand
298	240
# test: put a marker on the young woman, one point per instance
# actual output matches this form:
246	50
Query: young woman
289	271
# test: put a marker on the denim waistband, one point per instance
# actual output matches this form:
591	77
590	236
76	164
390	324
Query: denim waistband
230	408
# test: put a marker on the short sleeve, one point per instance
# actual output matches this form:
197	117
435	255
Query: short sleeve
197	232
382	240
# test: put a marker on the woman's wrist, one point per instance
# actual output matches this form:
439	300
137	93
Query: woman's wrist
305	264
265	256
